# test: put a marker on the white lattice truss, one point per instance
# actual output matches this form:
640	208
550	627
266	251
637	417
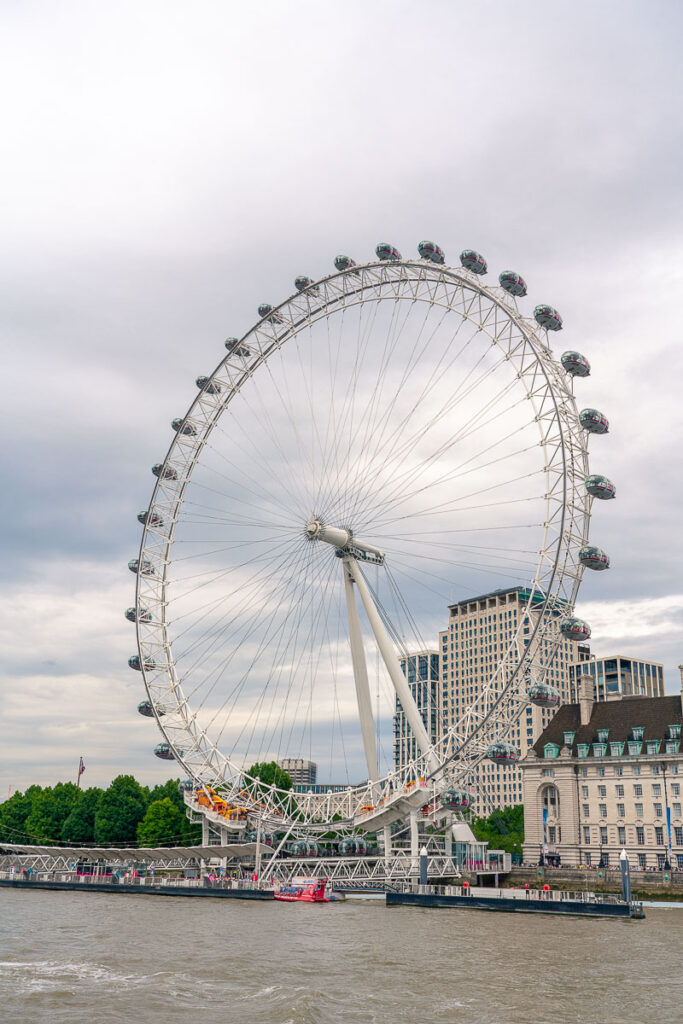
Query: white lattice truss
492	716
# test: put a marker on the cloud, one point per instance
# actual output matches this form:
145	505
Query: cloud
167	169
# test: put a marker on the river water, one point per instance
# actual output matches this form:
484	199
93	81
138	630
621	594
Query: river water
90	958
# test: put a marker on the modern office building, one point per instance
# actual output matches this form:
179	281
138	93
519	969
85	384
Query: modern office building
422	672
302	772
606	776
480	630
619	675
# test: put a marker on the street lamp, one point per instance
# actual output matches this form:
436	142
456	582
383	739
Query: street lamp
601	862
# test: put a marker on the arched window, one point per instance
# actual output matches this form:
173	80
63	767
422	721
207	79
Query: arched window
550	801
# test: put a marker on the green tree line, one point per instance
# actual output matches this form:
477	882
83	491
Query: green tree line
502	830
124	814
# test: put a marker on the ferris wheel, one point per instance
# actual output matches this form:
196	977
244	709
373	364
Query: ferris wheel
390	437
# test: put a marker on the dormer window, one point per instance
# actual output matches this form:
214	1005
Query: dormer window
616	749
599	749
602	735
653	746
638	731
582	750
634	748
569	738
674	732
672	746
551	750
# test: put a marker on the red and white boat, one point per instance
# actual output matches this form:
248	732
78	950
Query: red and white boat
310	890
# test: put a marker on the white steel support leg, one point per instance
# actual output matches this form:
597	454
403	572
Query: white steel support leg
387	843
397	677
414	842
360	675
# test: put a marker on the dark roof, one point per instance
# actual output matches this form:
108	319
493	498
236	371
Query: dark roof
654	714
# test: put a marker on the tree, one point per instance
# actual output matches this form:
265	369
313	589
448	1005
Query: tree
190	834
79	827
502	830
50	808
13	815
121	808
270	772
162	824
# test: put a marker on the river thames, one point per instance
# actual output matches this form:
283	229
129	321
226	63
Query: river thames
88	958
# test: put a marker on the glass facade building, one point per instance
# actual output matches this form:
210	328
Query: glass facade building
422	672
619	676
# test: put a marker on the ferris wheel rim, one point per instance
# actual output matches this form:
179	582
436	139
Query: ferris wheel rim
389	273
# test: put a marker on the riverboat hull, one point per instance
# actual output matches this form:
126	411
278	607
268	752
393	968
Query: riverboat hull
532	905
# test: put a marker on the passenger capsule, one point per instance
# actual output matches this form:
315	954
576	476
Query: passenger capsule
143	615
164	474
473	261
185	786
593	421
305	848
543	695
143	567
352	846
148	518
303	282
546	316
267	312
575	629
235	349
513	283
503	753
344	263
163	750
385	251
211	387
135	662
600	487
146	708
456	800
181	427
575	364
431	251
594	558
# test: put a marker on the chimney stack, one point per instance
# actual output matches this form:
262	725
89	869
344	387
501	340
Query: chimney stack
586	698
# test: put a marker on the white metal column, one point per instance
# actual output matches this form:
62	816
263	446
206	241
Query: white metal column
397	677
360	675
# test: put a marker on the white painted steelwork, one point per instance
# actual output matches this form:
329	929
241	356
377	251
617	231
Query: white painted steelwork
495	320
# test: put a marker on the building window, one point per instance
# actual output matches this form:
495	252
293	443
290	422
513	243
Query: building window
659	835
678	833
677	810
584	773
672	746
620	790
586	811
637	789
603	834
640	835
616	749
618	770
548	772
621	811
675	789
551	834
634	748
602	791
584	792
568	738
639	810
603	810
656	789
653	746
658	810
636	769
638	732
551	750
587	859
586	835
599	749
582	750
655	769
674	732
601	772
621	835
642	860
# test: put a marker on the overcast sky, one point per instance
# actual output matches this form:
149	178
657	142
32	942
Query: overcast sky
167	166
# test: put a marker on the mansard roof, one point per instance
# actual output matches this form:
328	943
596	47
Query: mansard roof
652	714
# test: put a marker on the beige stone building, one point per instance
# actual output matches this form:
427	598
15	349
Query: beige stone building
604	776
479	631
